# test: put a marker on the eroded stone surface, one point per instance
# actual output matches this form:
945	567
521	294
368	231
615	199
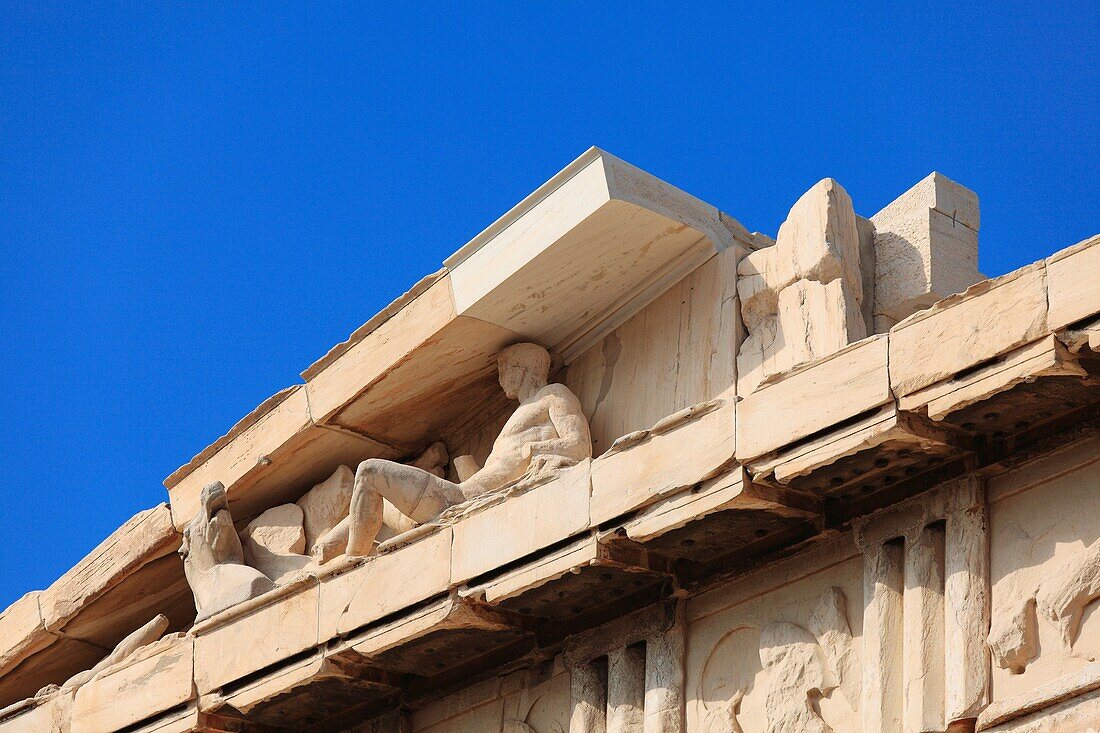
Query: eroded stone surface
213	558
326	504
926	247
547	432
801	299
274	542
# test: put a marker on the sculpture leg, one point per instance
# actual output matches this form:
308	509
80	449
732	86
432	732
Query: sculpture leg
365	516
416	493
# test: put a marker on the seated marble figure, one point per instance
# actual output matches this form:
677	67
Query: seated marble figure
547	432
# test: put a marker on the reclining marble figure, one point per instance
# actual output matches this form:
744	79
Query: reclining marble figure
547	432
213	558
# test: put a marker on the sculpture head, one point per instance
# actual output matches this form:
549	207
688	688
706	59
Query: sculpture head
213	499
523	368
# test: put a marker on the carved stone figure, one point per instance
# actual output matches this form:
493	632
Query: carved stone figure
147	634
1060	599
213	559
547	432
333	501
798	668
802	298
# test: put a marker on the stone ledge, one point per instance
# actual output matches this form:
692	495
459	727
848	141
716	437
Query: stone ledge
1083	681
814	398
47	636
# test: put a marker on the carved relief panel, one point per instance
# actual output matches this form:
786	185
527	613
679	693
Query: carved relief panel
1045	572
766	659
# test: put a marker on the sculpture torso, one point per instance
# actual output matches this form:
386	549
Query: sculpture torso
531	423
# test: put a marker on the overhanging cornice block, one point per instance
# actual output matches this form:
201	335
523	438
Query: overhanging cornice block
585	251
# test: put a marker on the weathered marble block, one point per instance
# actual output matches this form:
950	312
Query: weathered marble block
154	679
926	246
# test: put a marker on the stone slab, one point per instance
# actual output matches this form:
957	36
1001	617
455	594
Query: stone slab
720	524
1082	682
541	571
156	678
581	228
814	398
385	584
131	576
22	631
144	537
277	454
47	715
278	681
731	491
960	332
62	659
256	634
885	439
436	638
678	452
1073	283
1044	357
521	525
925	246
188	720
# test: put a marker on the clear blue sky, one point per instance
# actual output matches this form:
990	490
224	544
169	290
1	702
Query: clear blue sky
197	201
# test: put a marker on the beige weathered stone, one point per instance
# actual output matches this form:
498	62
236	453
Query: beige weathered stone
256	634
49	713
882	426
144	636
588	698
436	619
625	689
1046	357
699	575
926	246
1072	275
521	525
801	299
539	572
1043	547
145	537
882	686
680	350
384	584
213	558
679	451
545	435
821	238
665	680
22	631
732	491
966	603
986	321
816	320
841	386
1052	706
581	228
923	633
274	542
150	681
325	505
266	458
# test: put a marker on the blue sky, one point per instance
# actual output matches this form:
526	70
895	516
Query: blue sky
197	200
